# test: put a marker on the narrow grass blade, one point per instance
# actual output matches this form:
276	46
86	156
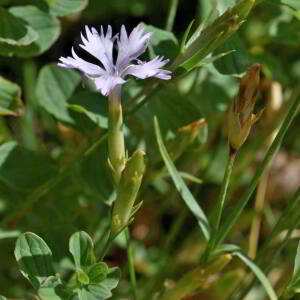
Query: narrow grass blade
181	186
258	273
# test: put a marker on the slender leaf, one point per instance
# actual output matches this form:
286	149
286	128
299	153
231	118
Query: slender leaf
258	273
181	186
6	234
236	251
296	272
293	286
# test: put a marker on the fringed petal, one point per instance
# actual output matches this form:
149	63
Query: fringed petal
132	46
149	69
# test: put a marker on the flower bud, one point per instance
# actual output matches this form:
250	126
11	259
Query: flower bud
241	117
127	191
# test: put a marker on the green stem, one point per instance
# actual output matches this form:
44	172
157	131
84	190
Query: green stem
267	159
131	264
220	205
171	14
106	247
224	188
116	144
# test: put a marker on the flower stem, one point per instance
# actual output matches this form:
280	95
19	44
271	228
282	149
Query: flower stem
224	188
131	264
106	246
220	205
116	145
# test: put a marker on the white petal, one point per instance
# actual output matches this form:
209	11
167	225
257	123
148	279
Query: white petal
107	83
76	62
132	46
100	46
149	69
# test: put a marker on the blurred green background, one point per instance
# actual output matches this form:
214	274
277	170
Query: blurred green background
53	184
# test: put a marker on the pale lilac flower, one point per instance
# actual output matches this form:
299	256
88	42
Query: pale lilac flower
108	74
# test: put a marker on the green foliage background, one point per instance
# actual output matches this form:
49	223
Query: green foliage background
54	178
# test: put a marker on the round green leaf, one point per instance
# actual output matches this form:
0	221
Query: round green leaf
101	290
66	7
295	4
82	248
93	292
97	272
163	42
97	177
14	31
112	279
61	8
34	258
55	86
82	277
10	98
236	62
47	27
23	169
52	289
91	104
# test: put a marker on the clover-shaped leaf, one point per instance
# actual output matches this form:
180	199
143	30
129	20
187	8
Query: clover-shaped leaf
82	248
34	258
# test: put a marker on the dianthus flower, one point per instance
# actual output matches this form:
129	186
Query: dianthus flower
109	74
